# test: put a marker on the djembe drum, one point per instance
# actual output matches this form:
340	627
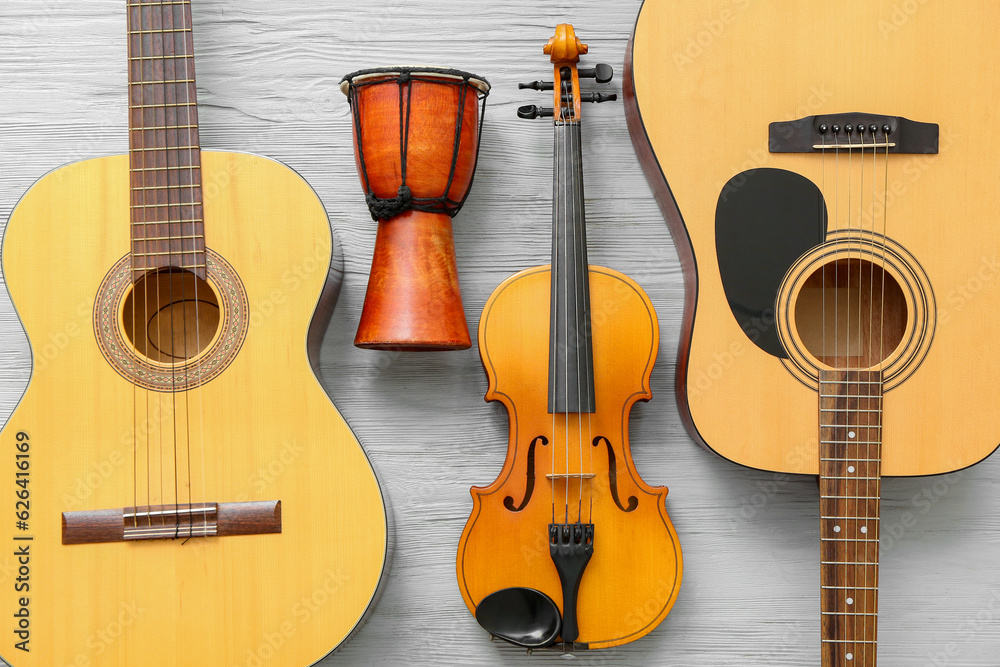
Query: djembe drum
416	144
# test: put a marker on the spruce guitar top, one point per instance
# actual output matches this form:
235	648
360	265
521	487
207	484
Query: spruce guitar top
830	179
188	320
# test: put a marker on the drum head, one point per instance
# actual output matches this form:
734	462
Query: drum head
389	73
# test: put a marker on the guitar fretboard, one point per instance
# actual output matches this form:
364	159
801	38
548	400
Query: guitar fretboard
165	158
850	412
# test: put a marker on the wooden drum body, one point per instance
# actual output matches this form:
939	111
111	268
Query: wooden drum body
416	142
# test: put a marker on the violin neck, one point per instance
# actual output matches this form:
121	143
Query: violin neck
571	358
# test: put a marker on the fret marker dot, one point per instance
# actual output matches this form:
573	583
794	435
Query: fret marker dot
850	656
836	529
864	529
850	601
850	434
850	468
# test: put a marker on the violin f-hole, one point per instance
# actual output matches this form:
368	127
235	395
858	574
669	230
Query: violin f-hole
529	488
633	502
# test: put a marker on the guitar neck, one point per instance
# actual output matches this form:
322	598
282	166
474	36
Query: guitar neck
165	155
850	409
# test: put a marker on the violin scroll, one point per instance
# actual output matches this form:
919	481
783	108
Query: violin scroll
564	50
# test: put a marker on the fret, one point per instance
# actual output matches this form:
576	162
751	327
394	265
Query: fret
852	477
172	253
822	497
849	409
153	83
164	187
169	148
168	238
856	518
852	396
851	459
848	383
852	588
158	4
158	32
848	641
193	203
849	562
164	57
163	106
164	127
850	442
171	168
166	222
847	539
849	613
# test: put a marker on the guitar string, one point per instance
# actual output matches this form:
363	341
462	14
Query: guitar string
866	362
873	362
849	620
885	242
172	357
134	157
195	194
146	272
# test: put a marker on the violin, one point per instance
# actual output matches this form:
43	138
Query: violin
569	547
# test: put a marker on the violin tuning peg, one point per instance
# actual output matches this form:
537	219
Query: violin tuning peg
532	111
597	98
537	85
601	73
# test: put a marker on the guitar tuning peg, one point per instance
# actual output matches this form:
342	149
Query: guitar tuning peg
602	73
532	111
537	85
597	98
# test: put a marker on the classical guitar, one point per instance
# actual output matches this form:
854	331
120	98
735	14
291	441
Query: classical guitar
830	180
176	487
569	547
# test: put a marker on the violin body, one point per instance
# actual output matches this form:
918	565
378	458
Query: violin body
633	577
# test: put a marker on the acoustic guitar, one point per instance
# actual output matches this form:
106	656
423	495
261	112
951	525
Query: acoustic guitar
829	175
569	547
176	487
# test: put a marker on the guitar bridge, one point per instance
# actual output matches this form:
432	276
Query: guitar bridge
867	132
169	522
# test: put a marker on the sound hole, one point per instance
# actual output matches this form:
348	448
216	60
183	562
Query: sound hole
851	313
170	315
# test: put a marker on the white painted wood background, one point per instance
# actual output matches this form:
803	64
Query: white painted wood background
267	75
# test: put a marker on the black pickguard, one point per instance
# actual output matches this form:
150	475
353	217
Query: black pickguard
765	220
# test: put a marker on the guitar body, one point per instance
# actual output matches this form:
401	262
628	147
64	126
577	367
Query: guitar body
632	580
266	431
706	79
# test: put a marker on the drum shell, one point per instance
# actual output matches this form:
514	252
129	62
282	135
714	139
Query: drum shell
427	122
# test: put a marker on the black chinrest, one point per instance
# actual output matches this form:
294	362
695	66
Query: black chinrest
521	616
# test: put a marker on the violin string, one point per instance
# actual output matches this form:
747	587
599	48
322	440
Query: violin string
565	238
553	330
579	235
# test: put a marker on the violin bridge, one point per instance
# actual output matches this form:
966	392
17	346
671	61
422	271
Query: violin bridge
571	475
